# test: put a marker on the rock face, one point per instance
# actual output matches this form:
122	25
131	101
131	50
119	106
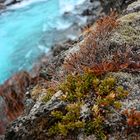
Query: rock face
33	124
12	97
4	3
118	5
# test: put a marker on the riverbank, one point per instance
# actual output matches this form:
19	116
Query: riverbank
11	91
5	3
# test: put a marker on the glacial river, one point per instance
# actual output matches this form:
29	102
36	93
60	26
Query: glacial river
28	29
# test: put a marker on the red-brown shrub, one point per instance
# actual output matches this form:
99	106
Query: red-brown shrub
133	117
98	54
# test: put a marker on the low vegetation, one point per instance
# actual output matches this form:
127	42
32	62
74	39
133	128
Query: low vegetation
98	94
87	85
90	93
133	117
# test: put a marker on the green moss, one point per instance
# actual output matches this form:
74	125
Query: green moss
95	127
76	86
117	105
89	128
53	130
78	89
57	114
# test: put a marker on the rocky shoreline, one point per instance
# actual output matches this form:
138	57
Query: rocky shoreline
5	3
36	113
10	88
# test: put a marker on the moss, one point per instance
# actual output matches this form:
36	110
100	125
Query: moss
102	93
53	130
128	31
46	98
57	114
68	122
76	86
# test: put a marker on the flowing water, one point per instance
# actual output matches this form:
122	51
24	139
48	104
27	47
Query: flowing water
28	29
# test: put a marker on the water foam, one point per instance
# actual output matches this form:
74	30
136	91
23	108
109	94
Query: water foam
69	5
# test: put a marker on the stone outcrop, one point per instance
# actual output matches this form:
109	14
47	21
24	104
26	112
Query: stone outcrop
9	2
5	3
32	126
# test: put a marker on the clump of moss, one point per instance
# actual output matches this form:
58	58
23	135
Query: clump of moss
101	93
68	122
128	31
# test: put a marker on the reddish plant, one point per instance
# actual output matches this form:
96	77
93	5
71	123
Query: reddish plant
95	48
97	54
1	127
133	117
12	94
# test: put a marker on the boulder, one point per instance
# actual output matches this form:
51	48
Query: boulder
34	125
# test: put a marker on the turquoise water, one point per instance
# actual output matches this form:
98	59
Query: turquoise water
23	30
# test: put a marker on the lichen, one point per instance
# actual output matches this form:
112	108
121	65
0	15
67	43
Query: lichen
128	32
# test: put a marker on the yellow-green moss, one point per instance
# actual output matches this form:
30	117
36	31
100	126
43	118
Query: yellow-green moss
101	92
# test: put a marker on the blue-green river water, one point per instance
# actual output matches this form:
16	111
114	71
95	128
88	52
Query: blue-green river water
24	27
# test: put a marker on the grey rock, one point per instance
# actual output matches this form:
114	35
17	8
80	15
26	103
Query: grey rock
85	111
27	126
9	2
83	137
2	6
28	105
134	7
